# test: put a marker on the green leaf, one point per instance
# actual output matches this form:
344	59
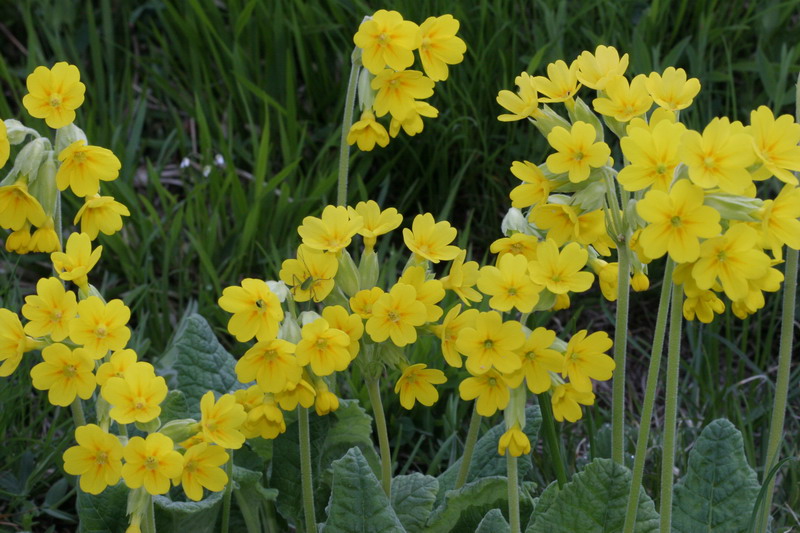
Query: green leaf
196	363
174	407
719	489
594	501
358	502
104	512
542	503
464	509
493	522
197	517
412	499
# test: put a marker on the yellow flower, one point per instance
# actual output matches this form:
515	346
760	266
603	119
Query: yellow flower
303	393
672	90
5	146
417	385
387	39
515	441
412	123
640	282
776	143
522	105
623	101
779	219
136	396
13	342
754	300
82	168
653	156
596	70
397	92
491	343
338	318
719	157
439	46
367	132
266	420
323	347
509	284
462	277
450	330
577	152
560	221
375	221
561	83
100	326
431	240
97	459
333	231
325	402
539	359
18	207
396	314
535	187
310	276
117	364
221	420
49	310
55	94
585	358
490	389
74	264
363	301
676	222
256	310
516	244
566	400
560	272
429	291
101	214
608	276
151	462
201	469
18	242
65	374
44	239
271	363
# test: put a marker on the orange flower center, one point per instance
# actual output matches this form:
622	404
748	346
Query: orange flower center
393	316
151	463
55	101
100	332
101	458
70	371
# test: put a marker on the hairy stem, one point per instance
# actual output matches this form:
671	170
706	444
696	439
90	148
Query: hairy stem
551	439
513	493
469	447
383	435
620	348
305	470
226	499
77	412
344	147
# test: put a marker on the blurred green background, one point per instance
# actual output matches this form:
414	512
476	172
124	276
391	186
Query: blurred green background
251	94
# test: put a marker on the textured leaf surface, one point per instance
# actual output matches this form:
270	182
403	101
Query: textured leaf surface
719	489
412	499
594	501
104	512
542	503
174	407
493	522
464	509
197	517
358	503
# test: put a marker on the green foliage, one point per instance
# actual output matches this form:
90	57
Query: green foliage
493	522
463	509
197	517
719	489
104	512
413	497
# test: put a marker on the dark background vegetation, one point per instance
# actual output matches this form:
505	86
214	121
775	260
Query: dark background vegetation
261	83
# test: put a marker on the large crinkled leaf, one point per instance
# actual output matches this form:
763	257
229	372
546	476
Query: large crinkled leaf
493	522
358	503
104	512
542	503
719	489
594	501
197	517
464	509
174	407
196	363
412	499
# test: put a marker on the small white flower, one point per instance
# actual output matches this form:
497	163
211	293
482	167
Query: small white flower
185	162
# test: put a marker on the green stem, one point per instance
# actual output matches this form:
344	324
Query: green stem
550	437
148	524
469	447
383	435
671	406
649	397
226	499
620	349
77	412
58	222
344	147
305	470
513	493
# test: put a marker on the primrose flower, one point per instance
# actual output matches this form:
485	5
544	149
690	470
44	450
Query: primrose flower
779	219
5	146
266	419
608	276
561	83
523	104
50	310
18	242
490	389
560	272
412	123
640	282
535	187
515	441
44	239
396	314
576	151
719	157
151	462
310	276
387	39
677	220
439	46
585	358
13	342
101	214
397	92
450	329
363	301
624	101
18	207
539	359
338	318
303	393
82	168
201	469
54	94
566	402
560	221
137	395
64	374
417	385
516	244
491	343
671	90
509	284
221	420
462	277
324	348
74	264
375	221
100	326
367	132
776	143
271	363
325	402
429	291
333	231
256	310
596	70
431	240
653	156
117	364
97	459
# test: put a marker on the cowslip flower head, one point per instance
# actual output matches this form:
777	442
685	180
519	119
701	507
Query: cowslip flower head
509	284
577	153
396	315
13	342
64	374
535	187
367	132
490	389
397	92
310	276
672	90
653	156
596	70
676	222
439	46
201	469
376	222
417	385
449	330
271	364
256	310
515	441
561	83
491	343
431	240
50	310
522	104
567	401
585	358
78	260
333	231
101	214
560	271
151	462
719	157
100	326
623	100
97	459
323	347
221	420
539	359
5	146
137	395
776	143
115	367
83	167
779	219
54	94
429	291
387	39
18	207
338	318
462	277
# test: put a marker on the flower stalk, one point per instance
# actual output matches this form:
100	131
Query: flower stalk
469	447
620	348
383	435
226	499
305	469
550	437
347	121
513	493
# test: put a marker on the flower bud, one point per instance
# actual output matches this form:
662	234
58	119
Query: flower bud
149	427
581	111
640	282
43	186
179	430
29	158
514	412
366	94
347	276
307	317
515	221
68	135
734	207
547	119
368	269
16	132
290	330
546	301
280	290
